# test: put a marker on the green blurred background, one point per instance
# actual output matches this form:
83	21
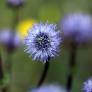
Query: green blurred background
25	72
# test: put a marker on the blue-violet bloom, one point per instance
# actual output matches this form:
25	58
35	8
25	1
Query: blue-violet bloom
77	26
15	3
49	88
87	86
7	38
42	42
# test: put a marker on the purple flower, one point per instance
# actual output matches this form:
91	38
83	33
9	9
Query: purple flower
8	39
87	85
42	42
49	88
15	3
77	26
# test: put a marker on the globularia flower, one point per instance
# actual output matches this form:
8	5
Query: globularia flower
8	39
87	86
49	88
15	3
77	26
42	42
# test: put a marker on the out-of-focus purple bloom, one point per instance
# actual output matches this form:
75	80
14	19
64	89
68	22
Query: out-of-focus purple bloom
77	26
8	39
49	88
15	3
87	86
42	42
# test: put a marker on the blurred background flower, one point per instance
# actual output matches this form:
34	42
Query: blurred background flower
49	88
87	85
15	3
8	39
77	27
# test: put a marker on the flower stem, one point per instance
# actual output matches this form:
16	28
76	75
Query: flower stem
46	67
3	89
72	66
1	69
11	46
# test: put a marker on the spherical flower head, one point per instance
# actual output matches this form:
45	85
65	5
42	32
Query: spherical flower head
77	26
15	3
7	38
42	42
87	86
49	88
23	27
